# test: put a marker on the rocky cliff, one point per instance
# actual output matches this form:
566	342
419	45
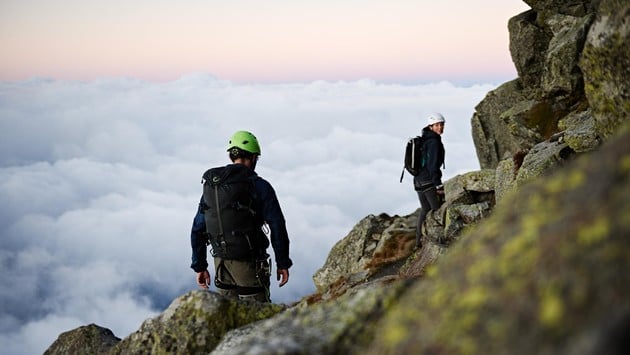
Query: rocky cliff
528	255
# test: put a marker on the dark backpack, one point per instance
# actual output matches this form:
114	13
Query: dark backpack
414	161
233	229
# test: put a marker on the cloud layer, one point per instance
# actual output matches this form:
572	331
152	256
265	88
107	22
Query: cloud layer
100	180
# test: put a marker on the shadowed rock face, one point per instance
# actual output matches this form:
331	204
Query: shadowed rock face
547	273
565	7
606	66
527	256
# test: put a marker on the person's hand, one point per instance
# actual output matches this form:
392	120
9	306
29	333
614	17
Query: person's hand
283	276
203	279
440	190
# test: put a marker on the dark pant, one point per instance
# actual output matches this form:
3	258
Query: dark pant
243	279
429	200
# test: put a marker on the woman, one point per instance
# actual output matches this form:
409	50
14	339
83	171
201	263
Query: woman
428	183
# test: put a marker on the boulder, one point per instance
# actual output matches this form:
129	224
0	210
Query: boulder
580	132
340	326
374	241
459	217
84	340
508	121
467	188
542	159
493	142
193	323
468	198
528	43
561	74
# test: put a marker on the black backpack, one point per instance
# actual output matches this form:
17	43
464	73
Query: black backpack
233	229
414	161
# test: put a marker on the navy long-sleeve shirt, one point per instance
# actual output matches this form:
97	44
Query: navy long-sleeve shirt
267	206
433	159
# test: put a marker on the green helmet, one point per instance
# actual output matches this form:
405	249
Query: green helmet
244	140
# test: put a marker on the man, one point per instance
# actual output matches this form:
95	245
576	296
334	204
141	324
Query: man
235	205
428	183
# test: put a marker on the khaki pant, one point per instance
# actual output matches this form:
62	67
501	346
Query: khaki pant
247	280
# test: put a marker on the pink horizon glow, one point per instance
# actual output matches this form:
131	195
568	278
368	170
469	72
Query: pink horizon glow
408	40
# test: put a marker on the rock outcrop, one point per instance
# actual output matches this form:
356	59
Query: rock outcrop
375	241
380	246
571	94
193	323
546	44
546	276
85	340
345	325
527	255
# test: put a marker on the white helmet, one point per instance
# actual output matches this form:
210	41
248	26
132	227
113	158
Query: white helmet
435	118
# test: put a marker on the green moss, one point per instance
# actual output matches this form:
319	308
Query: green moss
519	254
474	298
480	269
468	346
595	232
439	297
394	334
572	181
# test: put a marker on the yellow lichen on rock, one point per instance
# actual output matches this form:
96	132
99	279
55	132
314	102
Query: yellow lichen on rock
551	308
595	232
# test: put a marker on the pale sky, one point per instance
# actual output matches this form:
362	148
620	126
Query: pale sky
257	41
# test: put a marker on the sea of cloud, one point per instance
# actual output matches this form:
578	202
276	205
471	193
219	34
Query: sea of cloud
99	182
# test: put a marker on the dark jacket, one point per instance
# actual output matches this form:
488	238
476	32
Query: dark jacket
433	160
266	205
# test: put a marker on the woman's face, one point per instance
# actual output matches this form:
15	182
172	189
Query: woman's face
437	127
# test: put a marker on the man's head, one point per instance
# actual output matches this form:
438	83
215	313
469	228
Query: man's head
243	148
